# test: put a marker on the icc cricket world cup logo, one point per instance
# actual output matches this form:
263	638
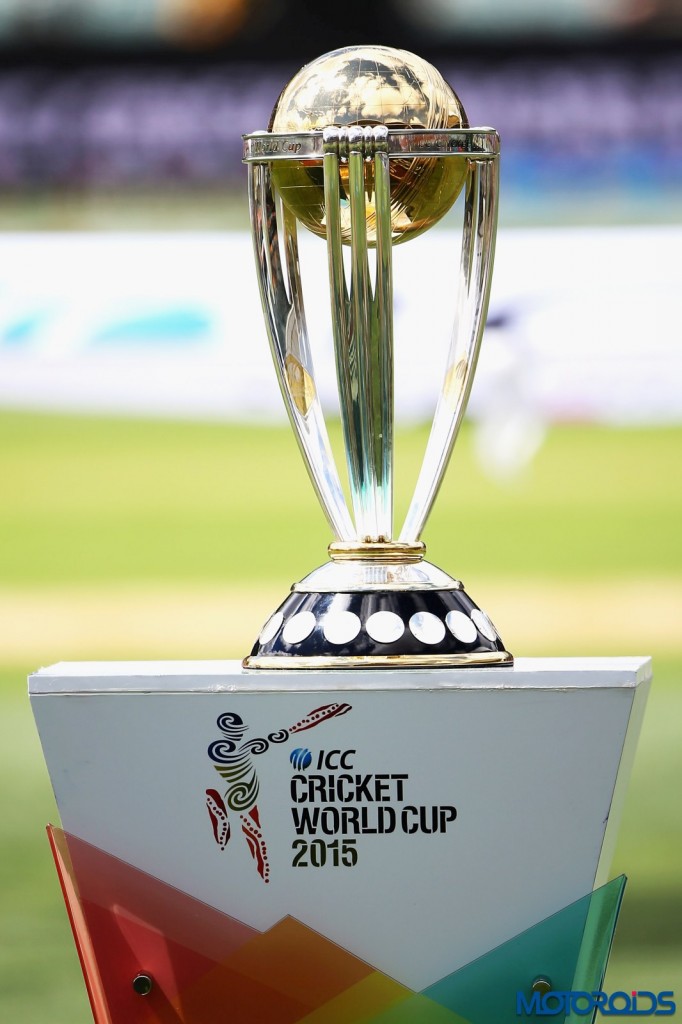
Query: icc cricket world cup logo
233	759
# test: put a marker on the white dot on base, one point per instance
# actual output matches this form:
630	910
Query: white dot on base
341	627
298	627
385	627
427	627
483	624
461	626
270	628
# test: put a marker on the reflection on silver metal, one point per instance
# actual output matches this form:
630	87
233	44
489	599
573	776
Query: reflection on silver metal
363	326
461	626
478	250
299	627
362	318
341	627
480	143
385	627
358	574
285	318
270	628
427	627
483	624
542	984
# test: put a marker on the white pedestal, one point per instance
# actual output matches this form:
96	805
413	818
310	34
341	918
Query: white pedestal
442	813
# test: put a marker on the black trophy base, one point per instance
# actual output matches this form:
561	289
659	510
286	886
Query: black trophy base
378	629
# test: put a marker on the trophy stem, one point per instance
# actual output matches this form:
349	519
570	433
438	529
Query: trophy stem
382	324
478	247
287	333
363	326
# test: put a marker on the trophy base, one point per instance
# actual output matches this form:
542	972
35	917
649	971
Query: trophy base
383	624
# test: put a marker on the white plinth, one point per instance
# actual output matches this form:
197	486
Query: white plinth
534	759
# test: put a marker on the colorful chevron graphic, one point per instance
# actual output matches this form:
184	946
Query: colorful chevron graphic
206	967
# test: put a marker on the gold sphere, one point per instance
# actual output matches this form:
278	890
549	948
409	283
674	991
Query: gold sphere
370	85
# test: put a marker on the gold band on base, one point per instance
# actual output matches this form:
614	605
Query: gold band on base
359	661
390	552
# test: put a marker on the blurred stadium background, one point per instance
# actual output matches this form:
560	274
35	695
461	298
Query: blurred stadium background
141	440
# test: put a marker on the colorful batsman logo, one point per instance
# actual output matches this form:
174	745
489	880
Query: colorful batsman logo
233	759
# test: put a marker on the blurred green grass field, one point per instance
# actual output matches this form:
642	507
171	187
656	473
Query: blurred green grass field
162	539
